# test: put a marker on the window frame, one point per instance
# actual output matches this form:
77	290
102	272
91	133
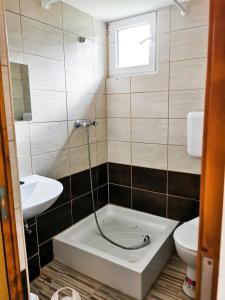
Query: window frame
114	27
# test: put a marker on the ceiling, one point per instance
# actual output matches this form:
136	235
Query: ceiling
110	10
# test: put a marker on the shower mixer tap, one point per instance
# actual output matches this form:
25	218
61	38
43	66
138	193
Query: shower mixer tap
84	123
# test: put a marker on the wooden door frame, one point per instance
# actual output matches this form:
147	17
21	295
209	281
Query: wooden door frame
8	225
212	181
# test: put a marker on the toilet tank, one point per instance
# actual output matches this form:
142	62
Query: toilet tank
195	133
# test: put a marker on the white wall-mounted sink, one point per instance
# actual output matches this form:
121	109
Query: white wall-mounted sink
38	193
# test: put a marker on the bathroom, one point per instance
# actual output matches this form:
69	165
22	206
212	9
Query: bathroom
104	104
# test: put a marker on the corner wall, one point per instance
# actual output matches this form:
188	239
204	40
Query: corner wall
67	82
147	116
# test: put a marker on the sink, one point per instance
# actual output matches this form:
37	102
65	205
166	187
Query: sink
38	193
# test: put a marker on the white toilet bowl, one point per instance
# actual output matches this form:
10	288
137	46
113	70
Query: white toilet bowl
186	241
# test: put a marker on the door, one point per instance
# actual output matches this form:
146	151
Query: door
212	182
4	293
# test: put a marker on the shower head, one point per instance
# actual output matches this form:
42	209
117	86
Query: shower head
46	4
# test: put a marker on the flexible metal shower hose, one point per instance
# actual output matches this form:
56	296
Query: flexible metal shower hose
146	241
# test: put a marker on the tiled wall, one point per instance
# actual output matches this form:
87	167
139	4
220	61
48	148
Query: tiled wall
147	114
9	132
67	82
149	168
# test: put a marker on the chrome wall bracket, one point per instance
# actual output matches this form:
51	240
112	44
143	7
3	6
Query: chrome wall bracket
183	10
46	4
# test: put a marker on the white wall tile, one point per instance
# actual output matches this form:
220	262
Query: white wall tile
118	105
150	131
149	155
180	161
100	81
3	39
157	81
101	130
118	85
41	39
100	56
78	158
189	43
22	138
119	152
34	10
188	74
16	57
20	238
14	174
25	167
45	73
100	106
102	153
13	5
53	164
149	105
77	21
100	33
163	20
183	102
80	106
119	129
163	51
79	78
47	137
178	131
14	31
77	52
198	14
48	106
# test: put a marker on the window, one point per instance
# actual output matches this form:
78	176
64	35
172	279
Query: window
132	45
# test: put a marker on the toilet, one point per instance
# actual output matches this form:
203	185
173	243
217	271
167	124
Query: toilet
186	241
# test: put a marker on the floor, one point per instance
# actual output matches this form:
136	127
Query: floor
55	275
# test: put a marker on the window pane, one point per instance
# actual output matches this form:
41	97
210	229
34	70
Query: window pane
133	46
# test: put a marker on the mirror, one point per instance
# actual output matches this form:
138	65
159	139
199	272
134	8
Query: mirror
21	92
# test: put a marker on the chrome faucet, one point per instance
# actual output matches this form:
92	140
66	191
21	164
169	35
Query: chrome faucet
84	123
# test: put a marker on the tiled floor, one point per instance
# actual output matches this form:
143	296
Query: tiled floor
55	275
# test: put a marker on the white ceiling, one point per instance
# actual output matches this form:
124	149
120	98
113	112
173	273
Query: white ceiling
109	10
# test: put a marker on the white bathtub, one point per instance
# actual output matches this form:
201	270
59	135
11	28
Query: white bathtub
131	271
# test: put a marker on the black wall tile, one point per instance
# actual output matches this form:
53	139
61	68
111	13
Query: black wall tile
182	209
31	221
149	179
46	253
24	284
120	174
65	196
83	207
149	202
33	267
31	241
80	183
53	222
102	196
183	184
120	195
102	174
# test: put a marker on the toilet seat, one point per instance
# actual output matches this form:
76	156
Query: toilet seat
186	235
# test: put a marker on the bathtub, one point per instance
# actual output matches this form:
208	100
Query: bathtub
131	271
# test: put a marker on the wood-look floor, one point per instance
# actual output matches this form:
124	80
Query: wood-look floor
55	275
